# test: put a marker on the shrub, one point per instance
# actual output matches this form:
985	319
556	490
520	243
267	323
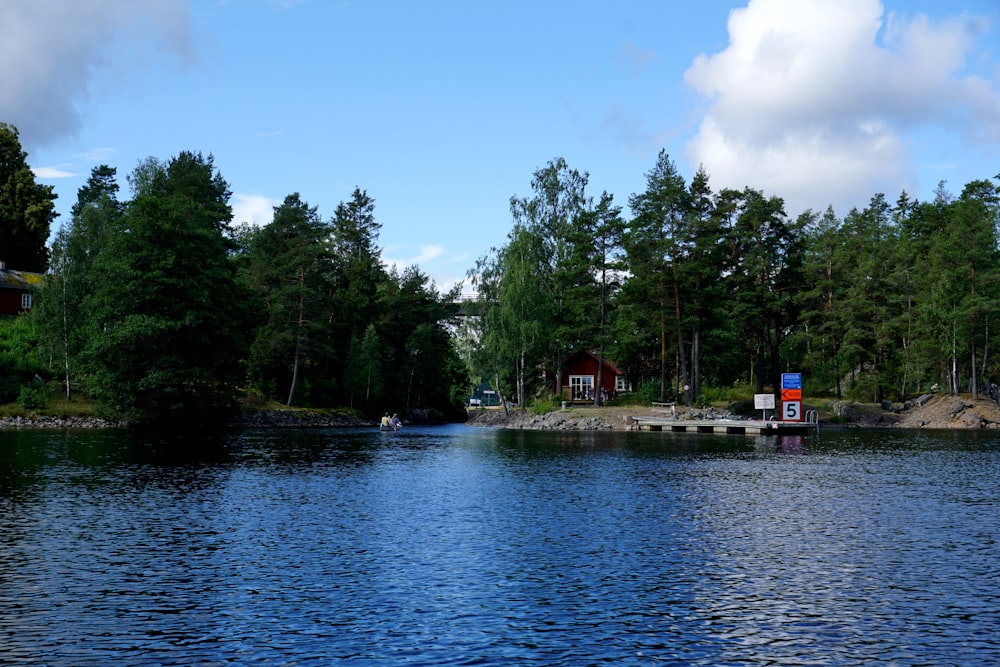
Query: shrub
649	391
541	406
33	396
715	395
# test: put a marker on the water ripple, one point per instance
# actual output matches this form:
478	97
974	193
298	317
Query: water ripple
470	547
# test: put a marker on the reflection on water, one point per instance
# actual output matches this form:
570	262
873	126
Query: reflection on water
470	546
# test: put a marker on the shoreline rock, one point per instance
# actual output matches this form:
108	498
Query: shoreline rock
254	419
929	412
47	422
581	418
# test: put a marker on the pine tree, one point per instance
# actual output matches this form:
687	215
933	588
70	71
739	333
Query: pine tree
289	269
168	318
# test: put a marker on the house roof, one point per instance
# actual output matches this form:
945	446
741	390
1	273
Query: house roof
607	364
20	280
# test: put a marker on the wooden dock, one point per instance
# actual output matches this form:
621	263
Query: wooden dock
737	426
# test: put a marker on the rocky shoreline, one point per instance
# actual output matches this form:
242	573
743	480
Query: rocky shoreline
253	419
935	412
930	412
63	423
580	418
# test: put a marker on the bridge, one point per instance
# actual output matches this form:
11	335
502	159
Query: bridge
460	306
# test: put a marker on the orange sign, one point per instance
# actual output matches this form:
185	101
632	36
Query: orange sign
791	394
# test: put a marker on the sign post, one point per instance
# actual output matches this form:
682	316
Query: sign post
791	397
763	402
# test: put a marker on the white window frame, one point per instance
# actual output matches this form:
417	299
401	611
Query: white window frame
26	301
581	386
621	384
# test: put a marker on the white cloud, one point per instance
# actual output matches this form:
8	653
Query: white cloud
50	173
427	253
53	50
253	209
102	155
808	103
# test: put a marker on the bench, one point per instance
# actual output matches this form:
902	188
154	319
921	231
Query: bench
662	407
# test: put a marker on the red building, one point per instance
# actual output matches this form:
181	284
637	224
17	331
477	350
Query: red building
580	378
17	290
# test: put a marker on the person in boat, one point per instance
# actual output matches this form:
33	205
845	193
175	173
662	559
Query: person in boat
386	421
394	422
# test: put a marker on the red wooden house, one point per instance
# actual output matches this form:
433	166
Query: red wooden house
580	378
17	290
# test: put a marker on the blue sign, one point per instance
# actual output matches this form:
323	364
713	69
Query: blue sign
791	380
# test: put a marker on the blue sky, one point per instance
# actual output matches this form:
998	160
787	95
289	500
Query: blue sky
442	110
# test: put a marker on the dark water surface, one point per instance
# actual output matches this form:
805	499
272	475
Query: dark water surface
462	546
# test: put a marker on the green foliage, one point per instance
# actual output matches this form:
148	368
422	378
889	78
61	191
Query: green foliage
27	208
722	289
656	241
33	396
542	406
286	266
60	307
364	373
539	289
725	395
18	355
650	391
164	312
19	345
171	317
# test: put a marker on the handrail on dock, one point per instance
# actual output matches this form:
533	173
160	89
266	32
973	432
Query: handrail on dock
812	418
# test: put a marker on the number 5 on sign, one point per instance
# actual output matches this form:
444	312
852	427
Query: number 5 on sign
791	411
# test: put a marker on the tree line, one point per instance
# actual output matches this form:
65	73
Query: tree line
160	308
163	311
700	288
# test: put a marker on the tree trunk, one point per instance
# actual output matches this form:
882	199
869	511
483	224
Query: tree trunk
663	356
696	364
682	379
683	383
496	385
557	390
65	339
760	363
409	386
295	374
522	389
974	379
298	340
600	376
953	380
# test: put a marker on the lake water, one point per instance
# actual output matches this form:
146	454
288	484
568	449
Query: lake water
464	546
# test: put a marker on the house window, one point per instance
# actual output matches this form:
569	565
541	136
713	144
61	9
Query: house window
581	387
25	302
620	384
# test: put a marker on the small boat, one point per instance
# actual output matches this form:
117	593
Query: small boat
387	424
